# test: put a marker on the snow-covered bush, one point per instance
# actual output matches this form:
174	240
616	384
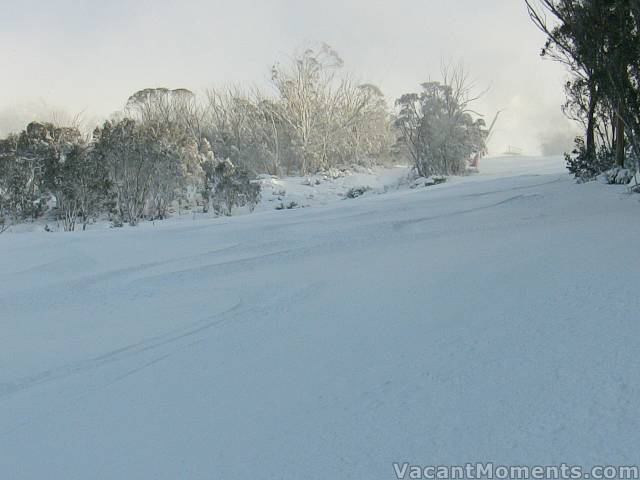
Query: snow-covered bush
585	167
616	176
227	187
21	176
4	194
356	192
76	179
334	173
427	181
167	120
122	147
289	206
150	165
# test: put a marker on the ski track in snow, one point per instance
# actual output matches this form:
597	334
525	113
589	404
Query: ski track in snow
490	318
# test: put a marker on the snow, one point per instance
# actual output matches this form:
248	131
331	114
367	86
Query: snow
616	175
330	186
489	318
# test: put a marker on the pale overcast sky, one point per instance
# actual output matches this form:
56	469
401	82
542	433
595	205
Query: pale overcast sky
92	54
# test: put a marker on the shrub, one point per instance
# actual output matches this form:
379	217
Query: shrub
585	168
616	176
356	192
227	187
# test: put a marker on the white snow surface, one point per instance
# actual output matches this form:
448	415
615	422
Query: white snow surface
490	318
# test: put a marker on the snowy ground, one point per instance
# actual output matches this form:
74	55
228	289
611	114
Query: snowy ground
492	318
321	189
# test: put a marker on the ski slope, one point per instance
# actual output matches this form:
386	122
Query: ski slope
491	318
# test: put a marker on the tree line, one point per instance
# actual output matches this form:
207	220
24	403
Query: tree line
170	150
599	42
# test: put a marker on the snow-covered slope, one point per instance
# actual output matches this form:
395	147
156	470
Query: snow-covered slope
491	318
324	188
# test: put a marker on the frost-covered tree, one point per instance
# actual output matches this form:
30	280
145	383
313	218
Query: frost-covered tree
329	119
150	165
227	187
7	162
7	158
170	127
88	183
162	106
53	161
438	128
243	128
304	88
123	148
174	165
364	132
69	175
315	117
22	173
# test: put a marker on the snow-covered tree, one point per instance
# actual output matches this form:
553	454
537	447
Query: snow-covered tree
150	165
438	127
22	173
227	187
122	147
316	117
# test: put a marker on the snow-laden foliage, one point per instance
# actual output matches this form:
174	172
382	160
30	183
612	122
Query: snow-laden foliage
227	187
438	129
356	192
45	162
170	150
315	118
149	165
138	167
21	177
616	176
585	167
427	182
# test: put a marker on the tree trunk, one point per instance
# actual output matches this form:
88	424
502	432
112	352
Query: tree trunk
620	136
593	102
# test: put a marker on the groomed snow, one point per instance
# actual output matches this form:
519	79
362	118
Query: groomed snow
491	318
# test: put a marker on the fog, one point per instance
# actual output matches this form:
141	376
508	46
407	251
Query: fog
67	57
